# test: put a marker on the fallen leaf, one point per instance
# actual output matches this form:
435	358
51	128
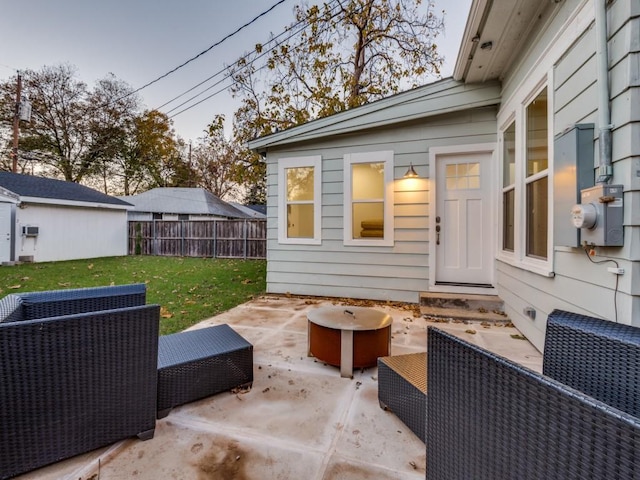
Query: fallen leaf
90	266
246	281
164	313
13	287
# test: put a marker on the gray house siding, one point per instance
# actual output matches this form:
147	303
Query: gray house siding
399	272
577	284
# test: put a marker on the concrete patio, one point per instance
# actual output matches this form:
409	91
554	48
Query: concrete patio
300	420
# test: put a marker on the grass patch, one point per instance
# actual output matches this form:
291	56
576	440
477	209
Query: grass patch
188	289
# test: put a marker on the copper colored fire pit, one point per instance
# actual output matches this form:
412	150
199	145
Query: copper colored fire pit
349	337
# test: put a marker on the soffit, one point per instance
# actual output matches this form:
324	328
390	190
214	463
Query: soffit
495	33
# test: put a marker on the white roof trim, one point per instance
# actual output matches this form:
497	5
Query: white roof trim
73	203
437	98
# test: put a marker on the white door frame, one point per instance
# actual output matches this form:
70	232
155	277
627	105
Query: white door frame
434	152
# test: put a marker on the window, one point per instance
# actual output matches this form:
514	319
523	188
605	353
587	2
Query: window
508	187
299	181
183	216
525	183
537	148
368	198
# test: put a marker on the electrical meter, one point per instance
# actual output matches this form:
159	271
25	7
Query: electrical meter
584	216
600	215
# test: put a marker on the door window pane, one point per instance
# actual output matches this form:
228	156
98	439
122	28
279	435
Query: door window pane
462	176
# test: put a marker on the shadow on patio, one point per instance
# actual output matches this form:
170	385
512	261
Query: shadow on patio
300	419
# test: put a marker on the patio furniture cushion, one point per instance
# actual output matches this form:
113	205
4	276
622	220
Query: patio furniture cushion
199	363
402	389
11	309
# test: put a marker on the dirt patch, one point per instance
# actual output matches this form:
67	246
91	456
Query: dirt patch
223	462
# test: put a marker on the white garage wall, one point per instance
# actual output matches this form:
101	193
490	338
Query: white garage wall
67	233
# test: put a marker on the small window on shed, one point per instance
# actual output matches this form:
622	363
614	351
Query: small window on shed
157	216
183	216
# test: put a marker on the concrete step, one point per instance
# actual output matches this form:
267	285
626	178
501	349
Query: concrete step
463	307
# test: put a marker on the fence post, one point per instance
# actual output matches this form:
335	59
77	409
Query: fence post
215	238
246	234
182	238
155	238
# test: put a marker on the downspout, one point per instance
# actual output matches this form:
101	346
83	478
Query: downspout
605	167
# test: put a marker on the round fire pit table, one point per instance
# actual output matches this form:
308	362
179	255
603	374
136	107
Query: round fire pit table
349	337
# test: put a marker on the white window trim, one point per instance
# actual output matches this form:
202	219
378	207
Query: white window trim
299	162
385	157
518	112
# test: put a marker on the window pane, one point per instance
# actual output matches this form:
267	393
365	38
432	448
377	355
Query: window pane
299	184
537	148
508	211
509	155
537	208
300	221
368	220
367	181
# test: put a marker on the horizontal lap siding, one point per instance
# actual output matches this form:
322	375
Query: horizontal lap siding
577	284
397	273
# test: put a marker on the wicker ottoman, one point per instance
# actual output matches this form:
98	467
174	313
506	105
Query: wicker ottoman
200	363
402	389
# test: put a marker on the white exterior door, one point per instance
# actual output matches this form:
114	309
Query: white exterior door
463	231
5	232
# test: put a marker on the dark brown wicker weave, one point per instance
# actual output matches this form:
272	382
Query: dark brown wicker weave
597	357
489	418
56	303
75	383
402	388
200	363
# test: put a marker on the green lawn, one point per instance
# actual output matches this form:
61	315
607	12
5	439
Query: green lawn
188	289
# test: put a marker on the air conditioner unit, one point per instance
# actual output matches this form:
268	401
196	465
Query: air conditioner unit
30	230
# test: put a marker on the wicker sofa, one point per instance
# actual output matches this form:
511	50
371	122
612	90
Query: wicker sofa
78	370
489	418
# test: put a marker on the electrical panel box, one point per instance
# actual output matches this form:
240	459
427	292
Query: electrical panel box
599	216
573	168
30	230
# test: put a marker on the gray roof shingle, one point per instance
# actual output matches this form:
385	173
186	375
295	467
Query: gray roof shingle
178	200
40	187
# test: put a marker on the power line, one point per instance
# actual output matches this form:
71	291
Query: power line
226	77
239	29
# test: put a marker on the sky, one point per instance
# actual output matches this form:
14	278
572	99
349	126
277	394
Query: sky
138	41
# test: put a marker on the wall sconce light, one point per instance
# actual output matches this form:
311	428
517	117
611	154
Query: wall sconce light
411	173
486	46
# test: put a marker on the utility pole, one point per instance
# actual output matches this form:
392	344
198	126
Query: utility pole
16	124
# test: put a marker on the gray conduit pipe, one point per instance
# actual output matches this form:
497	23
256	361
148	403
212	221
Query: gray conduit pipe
605	168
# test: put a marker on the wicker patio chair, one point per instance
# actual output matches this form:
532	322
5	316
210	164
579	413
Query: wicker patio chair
489	418
74	383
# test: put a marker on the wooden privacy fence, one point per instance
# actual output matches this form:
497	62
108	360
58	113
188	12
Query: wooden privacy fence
203	238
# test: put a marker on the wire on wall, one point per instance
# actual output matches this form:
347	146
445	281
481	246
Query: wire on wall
615	292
